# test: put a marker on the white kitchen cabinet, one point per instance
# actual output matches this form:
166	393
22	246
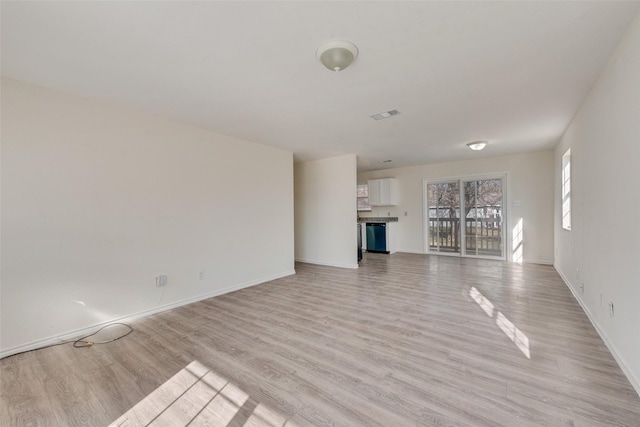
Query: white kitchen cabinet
383	192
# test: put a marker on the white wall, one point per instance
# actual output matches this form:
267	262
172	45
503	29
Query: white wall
325	211
98	200
530	180
604	242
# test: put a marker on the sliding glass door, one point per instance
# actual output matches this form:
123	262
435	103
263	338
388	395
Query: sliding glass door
465	217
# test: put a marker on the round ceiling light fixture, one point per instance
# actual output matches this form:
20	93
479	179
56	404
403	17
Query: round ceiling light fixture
477	145
337	55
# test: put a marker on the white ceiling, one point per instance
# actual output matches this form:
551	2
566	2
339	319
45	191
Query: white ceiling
513	73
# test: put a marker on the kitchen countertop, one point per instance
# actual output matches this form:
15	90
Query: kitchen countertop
378	219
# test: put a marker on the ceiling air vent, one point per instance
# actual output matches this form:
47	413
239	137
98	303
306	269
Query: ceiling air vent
384	114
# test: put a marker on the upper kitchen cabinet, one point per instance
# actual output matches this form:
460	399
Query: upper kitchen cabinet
383	192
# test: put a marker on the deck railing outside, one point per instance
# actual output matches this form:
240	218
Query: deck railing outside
483	235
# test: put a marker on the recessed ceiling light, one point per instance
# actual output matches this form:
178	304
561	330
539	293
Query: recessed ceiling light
477	145
384	114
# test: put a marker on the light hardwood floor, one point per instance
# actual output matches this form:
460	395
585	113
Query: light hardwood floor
403	340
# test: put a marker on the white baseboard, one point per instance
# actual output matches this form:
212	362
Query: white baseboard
635	383
326	263
539	261
528	261
67	336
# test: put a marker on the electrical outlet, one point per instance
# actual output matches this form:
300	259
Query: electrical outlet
161	281
201	275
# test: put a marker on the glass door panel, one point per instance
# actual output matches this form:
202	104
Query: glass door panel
443	204
470	223
483	217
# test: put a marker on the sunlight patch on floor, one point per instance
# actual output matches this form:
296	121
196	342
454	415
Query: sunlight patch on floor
510	330
516	335
517	242
483	302
197	396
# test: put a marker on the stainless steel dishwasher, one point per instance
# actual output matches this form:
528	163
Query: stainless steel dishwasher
377	237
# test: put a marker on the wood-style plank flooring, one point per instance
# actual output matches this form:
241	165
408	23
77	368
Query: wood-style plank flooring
405	340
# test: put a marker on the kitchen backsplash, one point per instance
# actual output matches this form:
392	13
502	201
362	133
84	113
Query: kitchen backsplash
378	219
377	212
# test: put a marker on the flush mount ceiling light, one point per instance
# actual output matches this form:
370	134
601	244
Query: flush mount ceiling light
477	145
337	55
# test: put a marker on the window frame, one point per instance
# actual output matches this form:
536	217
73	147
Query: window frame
362	202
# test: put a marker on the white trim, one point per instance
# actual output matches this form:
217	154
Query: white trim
34	345
526	261
444	180
537	261
635	382
326	263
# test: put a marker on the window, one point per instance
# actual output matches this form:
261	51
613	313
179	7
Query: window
566	190
363	198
